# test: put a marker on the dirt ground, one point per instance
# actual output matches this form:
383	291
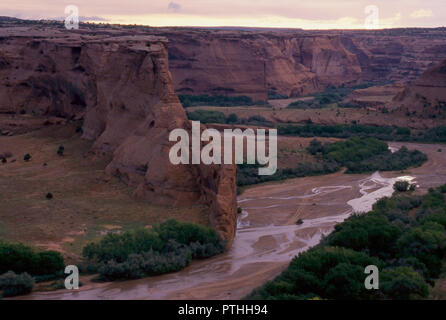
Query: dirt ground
86	203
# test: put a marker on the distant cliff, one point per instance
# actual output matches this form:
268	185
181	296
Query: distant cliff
122	88
425	96
296	63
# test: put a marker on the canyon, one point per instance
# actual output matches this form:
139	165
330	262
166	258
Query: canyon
122	89
121	84
296	62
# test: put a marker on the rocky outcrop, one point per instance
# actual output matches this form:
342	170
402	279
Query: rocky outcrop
296	63
255	64
427	95
122	88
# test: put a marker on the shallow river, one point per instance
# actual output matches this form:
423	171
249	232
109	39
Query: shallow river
268	236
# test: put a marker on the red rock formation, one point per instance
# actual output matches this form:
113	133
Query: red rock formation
296	63
427	95
122	88
253	64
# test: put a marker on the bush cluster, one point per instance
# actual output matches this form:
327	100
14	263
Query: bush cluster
369	154
437	134
12	284
215	100
249	174
20	258
407	249
166	247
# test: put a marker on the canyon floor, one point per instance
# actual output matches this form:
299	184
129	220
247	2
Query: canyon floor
268	237
86	202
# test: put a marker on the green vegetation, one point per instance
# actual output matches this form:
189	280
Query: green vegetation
216	100
166	247
273	95
207	116
20	258
210	116
407	248
358	155
248	174
331	96
60	150
12	284
403	186
369	154
437	134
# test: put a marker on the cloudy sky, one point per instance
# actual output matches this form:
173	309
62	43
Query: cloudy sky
308	14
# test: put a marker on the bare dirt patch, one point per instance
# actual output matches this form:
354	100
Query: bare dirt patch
86	202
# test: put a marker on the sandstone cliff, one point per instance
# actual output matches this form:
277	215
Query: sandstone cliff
255	64
427	95
122	88
295	63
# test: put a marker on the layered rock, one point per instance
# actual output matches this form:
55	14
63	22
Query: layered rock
255	64
296	63
427	95
122	88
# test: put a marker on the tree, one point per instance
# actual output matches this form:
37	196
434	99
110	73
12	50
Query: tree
27	157
345	281
232	118
426	243
315	147
13	284
372	232
61	150
401	186
403	283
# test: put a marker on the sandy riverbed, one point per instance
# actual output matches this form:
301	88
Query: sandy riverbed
268	237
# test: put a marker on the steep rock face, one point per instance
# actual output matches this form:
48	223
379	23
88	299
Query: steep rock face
122	88
296	63
253	64
427	95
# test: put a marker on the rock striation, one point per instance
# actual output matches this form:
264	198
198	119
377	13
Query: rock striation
425	96
122	89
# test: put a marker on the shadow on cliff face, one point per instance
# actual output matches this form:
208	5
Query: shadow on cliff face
122	88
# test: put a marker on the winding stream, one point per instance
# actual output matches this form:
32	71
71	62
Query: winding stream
268	236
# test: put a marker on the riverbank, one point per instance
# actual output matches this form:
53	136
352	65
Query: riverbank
268	236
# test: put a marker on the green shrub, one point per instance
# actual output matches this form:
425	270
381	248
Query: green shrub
437	134
12	284
61	150
407	249
372	233
403	283
20	258
369	154
232	118
214	100
206	116
328	272
315	147
401	186
167	247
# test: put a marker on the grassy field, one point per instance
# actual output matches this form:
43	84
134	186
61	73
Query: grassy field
86	203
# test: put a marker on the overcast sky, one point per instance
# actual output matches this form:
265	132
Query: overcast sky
308	14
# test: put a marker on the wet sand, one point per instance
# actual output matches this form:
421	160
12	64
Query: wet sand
268	237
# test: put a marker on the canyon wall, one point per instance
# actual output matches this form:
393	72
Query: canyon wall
255	64
296	63
425	96
122	89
